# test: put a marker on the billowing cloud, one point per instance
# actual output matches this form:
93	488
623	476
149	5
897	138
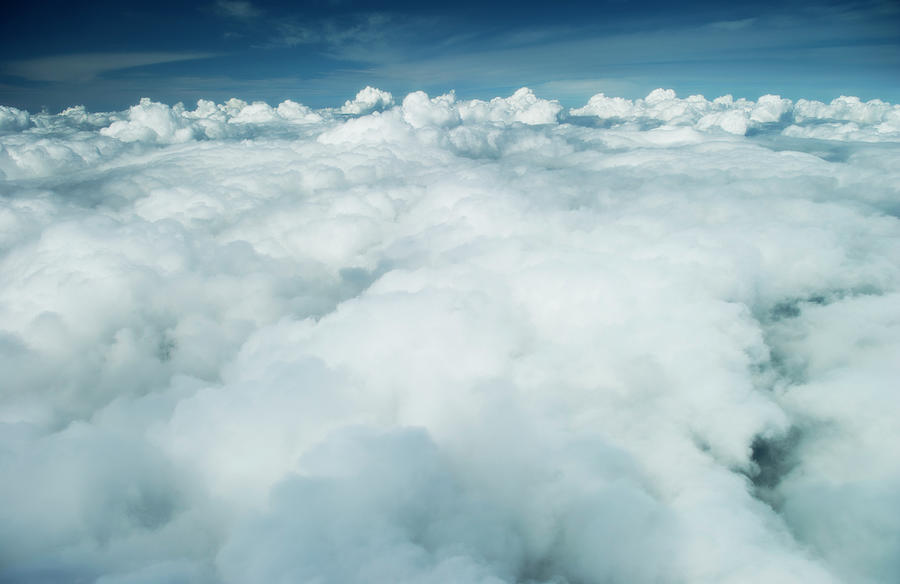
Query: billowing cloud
12	119
451	341
368	100
845	118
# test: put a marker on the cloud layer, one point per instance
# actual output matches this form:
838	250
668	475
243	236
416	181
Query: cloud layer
451	341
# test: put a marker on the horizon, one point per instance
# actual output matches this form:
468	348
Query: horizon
566	107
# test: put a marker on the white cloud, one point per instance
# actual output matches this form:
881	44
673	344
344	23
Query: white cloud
845	118
12	119
522	106
451	341
368	100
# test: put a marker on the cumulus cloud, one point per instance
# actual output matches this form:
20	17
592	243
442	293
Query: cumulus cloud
522	106
845	118
367	101
451	341
12	119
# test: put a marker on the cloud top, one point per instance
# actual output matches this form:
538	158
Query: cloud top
844	117
368	100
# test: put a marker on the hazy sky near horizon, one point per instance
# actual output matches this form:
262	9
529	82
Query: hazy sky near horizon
106	55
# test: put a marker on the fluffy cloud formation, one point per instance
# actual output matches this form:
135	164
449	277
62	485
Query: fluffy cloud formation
12	119
845	118
367	101
451	341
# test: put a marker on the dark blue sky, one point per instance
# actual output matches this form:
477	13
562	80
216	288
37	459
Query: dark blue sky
107	54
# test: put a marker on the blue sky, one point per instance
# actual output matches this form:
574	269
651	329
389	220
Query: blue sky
106	55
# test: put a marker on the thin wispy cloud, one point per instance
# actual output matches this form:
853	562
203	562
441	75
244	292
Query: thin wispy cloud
238	10
86	67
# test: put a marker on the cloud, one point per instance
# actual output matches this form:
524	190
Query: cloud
733	25
237	9
435	340
87	66
13	119
359	36
367	101
845	118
